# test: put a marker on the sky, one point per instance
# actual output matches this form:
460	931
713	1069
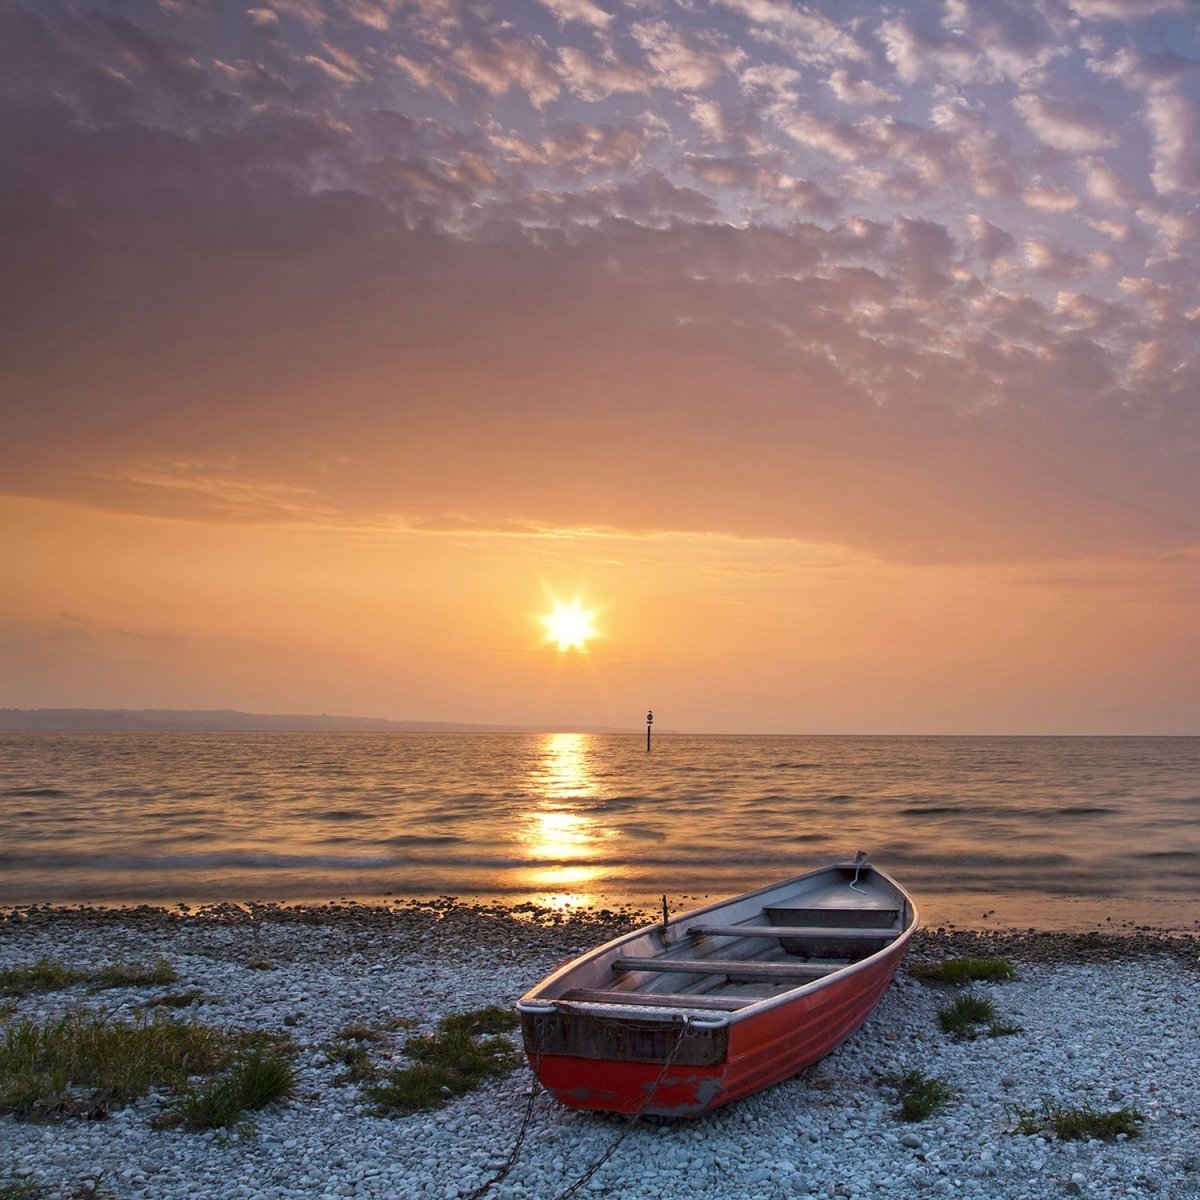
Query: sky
838	361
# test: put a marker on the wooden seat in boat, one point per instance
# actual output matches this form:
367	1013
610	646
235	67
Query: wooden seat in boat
659	1000
796	931
730	966
871	914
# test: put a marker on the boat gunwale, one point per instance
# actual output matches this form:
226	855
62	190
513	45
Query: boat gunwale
533	1004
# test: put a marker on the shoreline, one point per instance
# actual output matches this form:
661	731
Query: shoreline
1106	1020
595	923
962	909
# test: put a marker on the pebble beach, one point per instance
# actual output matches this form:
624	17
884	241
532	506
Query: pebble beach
1105	1021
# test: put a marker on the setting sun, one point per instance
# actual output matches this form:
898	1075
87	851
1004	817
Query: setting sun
569	625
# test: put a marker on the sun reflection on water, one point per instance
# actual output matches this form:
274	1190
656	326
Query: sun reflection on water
559	836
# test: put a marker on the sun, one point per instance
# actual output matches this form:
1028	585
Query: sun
569	625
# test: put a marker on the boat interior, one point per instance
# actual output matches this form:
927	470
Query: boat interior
730	956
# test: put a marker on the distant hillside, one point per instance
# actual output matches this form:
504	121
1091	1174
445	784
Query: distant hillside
226	720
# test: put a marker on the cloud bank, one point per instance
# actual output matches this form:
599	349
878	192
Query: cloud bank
920	281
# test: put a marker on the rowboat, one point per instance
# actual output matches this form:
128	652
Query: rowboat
711	1005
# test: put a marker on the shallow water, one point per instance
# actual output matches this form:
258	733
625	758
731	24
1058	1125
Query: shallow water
1047	832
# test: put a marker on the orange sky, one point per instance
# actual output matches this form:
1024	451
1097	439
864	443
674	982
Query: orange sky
847	365
713	632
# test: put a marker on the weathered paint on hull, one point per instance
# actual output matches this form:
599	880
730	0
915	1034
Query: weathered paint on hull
764	1050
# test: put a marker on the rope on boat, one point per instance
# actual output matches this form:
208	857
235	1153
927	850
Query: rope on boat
860	858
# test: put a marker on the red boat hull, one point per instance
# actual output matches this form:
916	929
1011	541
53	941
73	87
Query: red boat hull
764	1049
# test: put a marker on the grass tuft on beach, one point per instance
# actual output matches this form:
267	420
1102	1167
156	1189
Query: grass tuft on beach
1080	1123
125	974
17	1189
84	1064
467	1049
45	975
972	1016
49	975
920	1095
258	1078
965	970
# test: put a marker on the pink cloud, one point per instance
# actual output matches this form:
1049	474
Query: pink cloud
685	61
503	64
1074	128
1174	120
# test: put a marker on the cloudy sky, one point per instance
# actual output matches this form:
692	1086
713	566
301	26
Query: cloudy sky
841	358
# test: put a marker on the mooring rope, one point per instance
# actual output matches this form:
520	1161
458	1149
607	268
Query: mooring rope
633	1118
536	1090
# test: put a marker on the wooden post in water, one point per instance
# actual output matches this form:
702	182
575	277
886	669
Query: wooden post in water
649	722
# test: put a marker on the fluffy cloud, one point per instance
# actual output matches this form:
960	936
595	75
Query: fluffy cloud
838	138
809	37
916	54
1126	10
1050	199
1046	259
576	144
859	91
684	60
1174	120
579	10
595	78
1142	71
503	64
1074	128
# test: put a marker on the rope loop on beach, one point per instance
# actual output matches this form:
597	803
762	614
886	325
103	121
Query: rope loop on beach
536	1090
633	1118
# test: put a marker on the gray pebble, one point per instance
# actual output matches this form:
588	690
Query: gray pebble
830	1132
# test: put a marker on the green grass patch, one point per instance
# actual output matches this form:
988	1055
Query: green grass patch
972	1016
48	975
1002	1029
45	975
360	1068
257	1079
482	1020
24	1189
86	1065
17	1189
965	970
964	1017
466	1050
126	974
1079	1124
921	1095
359	1031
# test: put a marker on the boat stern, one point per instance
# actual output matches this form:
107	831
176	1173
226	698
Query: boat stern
666	1064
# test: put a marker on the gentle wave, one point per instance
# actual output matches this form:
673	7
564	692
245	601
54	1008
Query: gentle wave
295	815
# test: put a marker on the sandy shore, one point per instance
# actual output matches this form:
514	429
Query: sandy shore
1106	1021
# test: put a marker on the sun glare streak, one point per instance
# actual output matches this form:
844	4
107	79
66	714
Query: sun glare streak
560	837
569	626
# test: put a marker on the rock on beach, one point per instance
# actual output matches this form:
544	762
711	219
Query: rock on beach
1105	1021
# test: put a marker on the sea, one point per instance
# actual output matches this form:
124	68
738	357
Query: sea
1011	832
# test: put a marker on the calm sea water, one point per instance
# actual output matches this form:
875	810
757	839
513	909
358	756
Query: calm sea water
1049	832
